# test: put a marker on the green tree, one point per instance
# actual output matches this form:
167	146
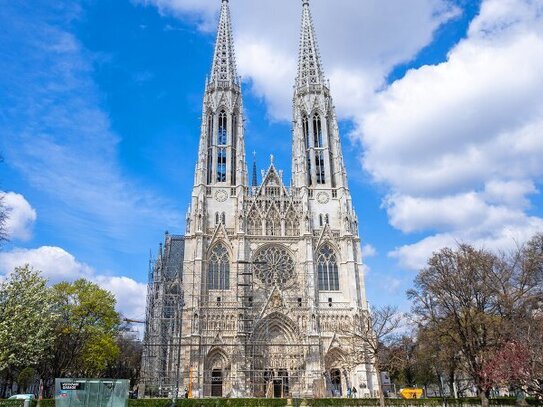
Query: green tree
27	320
86	332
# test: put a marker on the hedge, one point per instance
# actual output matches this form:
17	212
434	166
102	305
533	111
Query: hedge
209	403
362	402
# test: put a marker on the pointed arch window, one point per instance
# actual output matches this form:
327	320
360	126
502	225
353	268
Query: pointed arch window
222	134
273	224
233	164
210	148
327	269
319	163
218	276
292	224
255	224
305	127
317	131
221	164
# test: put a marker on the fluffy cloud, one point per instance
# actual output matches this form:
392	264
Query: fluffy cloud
21	216
459	144
58	265
368	251
57	135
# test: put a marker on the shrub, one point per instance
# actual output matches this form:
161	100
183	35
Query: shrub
11	403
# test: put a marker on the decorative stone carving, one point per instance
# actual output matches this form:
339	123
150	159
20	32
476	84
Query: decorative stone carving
274	266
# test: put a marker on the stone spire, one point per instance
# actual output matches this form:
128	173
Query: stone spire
224	60
317	159
221	156
309	63
254	182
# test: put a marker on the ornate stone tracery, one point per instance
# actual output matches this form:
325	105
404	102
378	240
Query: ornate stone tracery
274	266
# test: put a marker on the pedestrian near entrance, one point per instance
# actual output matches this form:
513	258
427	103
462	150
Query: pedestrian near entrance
354	392
349	392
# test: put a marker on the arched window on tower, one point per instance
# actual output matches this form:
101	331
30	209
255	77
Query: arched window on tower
319	163
233	165
327	269
210	148
223	124
223	218
317	131
305	126
221	164
218	276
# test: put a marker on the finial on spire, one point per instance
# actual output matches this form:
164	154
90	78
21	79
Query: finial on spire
305	3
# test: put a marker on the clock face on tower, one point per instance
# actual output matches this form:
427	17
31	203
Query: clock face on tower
323	198
221	195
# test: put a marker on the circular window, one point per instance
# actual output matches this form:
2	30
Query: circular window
273	265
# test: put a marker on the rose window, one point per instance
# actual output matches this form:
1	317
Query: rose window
273	265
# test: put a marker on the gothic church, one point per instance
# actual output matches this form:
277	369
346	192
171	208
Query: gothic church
260	296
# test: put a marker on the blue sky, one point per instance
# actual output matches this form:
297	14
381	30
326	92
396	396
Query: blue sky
100	102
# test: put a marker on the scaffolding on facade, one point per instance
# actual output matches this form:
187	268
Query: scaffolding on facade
224	343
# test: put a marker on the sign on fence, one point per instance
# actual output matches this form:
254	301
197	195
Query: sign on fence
91	393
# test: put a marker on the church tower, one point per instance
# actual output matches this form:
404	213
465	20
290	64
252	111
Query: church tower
271	276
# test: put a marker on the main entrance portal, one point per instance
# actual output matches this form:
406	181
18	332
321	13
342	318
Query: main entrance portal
278	357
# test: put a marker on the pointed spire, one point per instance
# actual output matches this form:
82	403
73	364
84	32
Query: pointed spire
255	174
309	63
224	60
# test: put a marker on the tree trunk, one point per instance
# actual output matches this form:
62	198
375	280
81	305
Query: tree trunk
484	398
380	386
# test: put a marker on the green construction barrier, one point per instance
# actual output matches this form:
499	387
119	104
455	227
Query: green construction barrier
91	393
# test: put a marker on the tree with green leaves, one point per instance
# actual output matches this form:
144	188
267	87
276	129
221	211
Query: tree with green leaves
27	321
85	333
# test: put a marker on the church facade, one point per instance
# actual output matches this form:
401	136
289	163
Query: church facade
261	295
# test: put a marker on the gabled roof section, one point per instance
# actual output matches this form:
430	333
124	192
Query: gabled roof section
309	62
272	178
224	69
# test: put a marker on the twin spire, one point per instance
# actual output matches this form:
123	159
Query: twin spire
224	61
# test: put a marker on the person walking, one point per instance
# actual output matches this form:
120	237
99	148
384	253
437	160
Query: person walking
354	392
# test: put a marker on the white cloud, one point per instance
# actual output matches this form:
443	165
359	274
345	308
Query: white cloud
58	265
459	144
368	251
58	137
21	216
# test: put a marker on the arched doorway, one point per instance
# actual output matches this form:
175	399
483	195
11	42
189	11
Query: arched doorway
278	357
216	373
335	362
